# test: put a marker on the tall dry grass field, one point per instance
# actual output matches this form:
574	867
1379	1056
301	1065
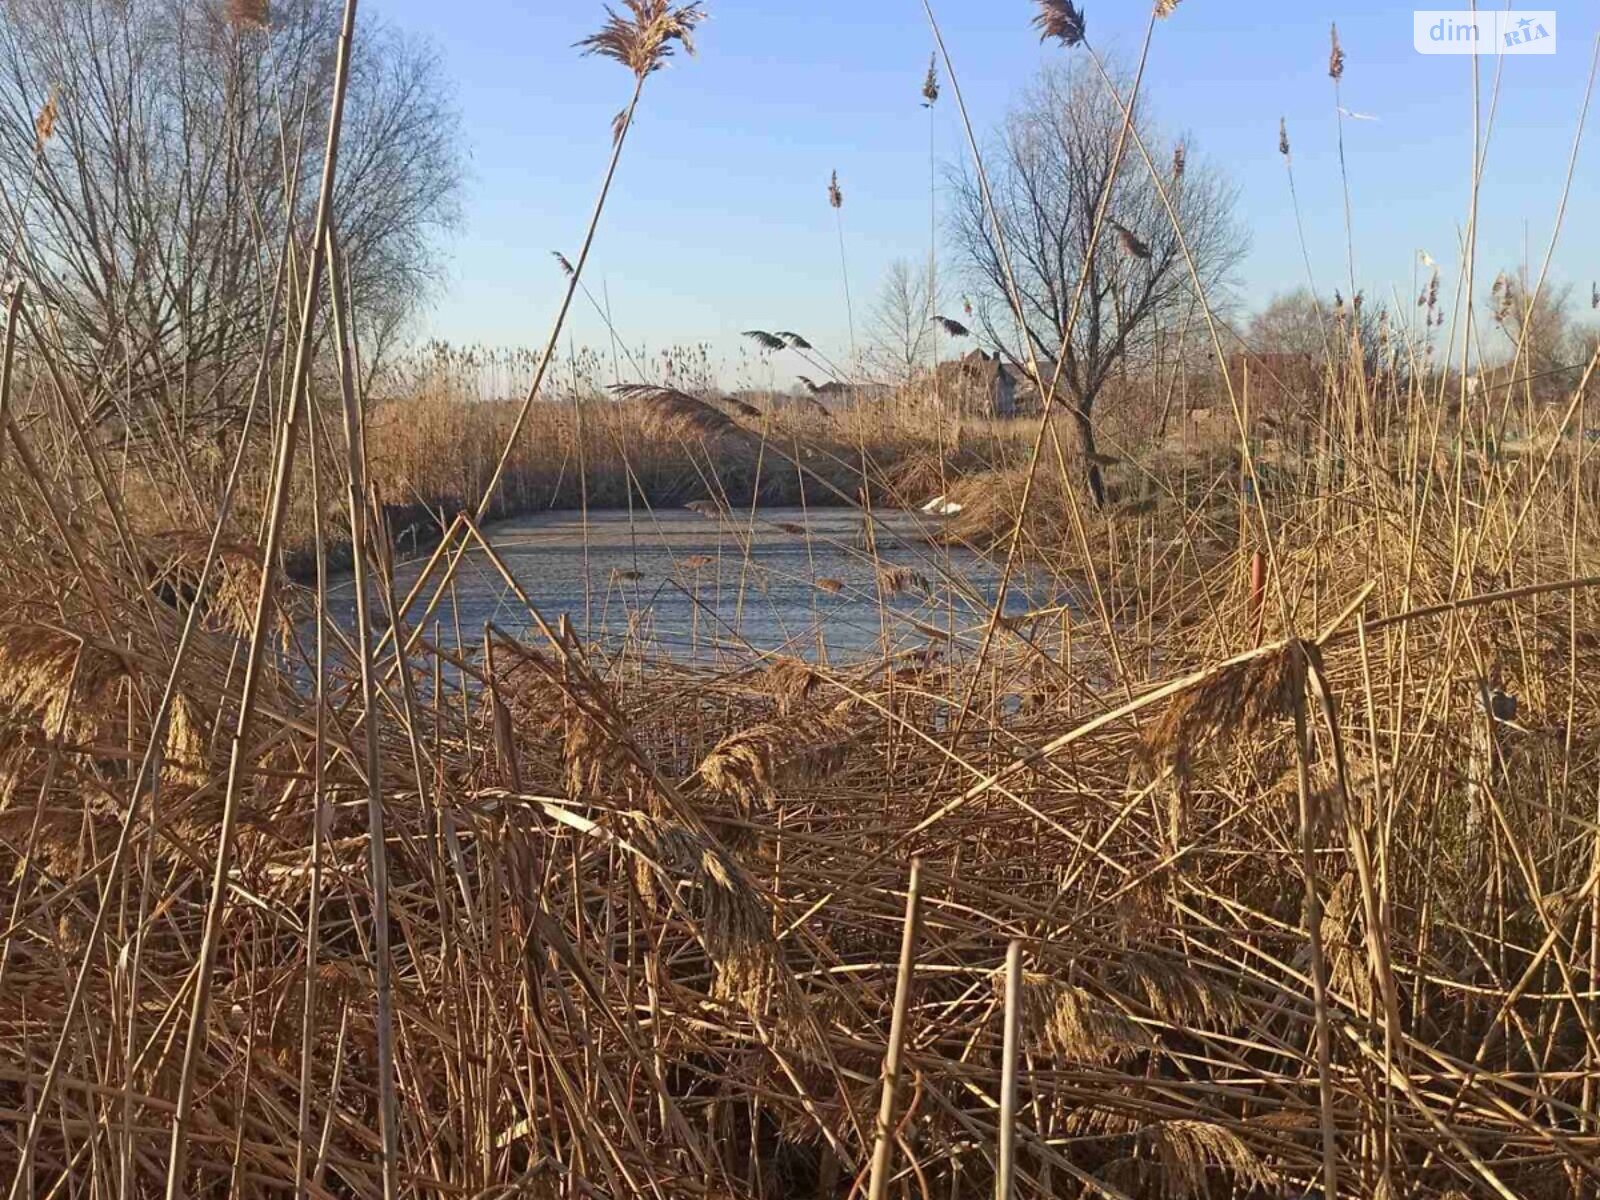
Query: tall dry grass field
1258	858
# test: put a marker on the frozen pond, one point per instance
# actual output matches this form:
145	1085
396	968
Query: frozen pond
693	587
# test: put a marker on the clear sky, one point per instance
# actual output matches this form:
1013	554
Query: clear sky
719	219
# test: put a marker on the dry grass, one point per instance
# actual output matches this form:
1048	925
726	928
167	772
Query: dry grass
1302	894
690	877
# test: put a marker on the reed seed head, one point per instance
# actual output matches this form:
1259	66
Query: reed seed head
44	125
767	341
670	410
953	327
796	342
930	82
1180	161
1283	137
645	39
567	268
835	196
1165	8
248	14
1060	19
1131	241
1335	55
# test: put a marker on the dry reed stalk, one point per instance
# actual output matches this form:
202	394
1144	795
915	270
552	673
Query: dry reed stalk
1006	1158
198	1026
8	359
358	496
878	1185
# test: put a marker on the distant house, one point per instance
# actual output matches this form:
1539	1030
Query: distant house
978	382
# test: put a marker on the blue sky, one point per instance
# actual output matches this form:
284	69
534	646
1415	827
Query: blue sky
719	219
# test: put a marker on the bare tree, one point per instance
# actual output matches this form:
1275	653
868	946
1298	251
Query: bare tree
1291	323
1540	332
899	328
184	147
1049	165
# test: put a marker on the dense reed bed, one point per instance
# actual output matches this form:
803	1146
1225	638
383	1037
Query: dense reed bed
1303	876
1259	857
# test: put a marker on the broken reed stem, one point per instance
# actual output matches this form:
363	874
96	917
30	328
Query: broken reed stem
883	1138
216	907
1005	1186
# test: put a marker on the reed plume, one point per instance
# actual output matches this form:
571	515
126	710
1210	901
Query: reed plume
1190	1150
749	766
1131	241
44	125
767	341
893	581
794	340
1069	1023
248	14
1335	55
951	326
60	681
1060	19
1283	136
671	410
930	82
644	41
1233	703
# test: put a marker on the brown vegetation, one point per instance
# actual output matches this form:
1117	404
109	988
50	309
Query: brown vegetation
1257	857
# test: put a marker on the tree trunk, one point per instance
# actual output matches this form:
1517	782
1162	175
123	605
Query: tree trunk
1082	418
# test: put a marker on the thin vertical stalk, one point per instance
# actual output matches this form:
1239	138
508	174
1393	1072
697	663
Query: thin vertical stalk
573	279
1319	962
377	858
883	1143
1005	1187
197	1033
13	305
319	802
844	271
